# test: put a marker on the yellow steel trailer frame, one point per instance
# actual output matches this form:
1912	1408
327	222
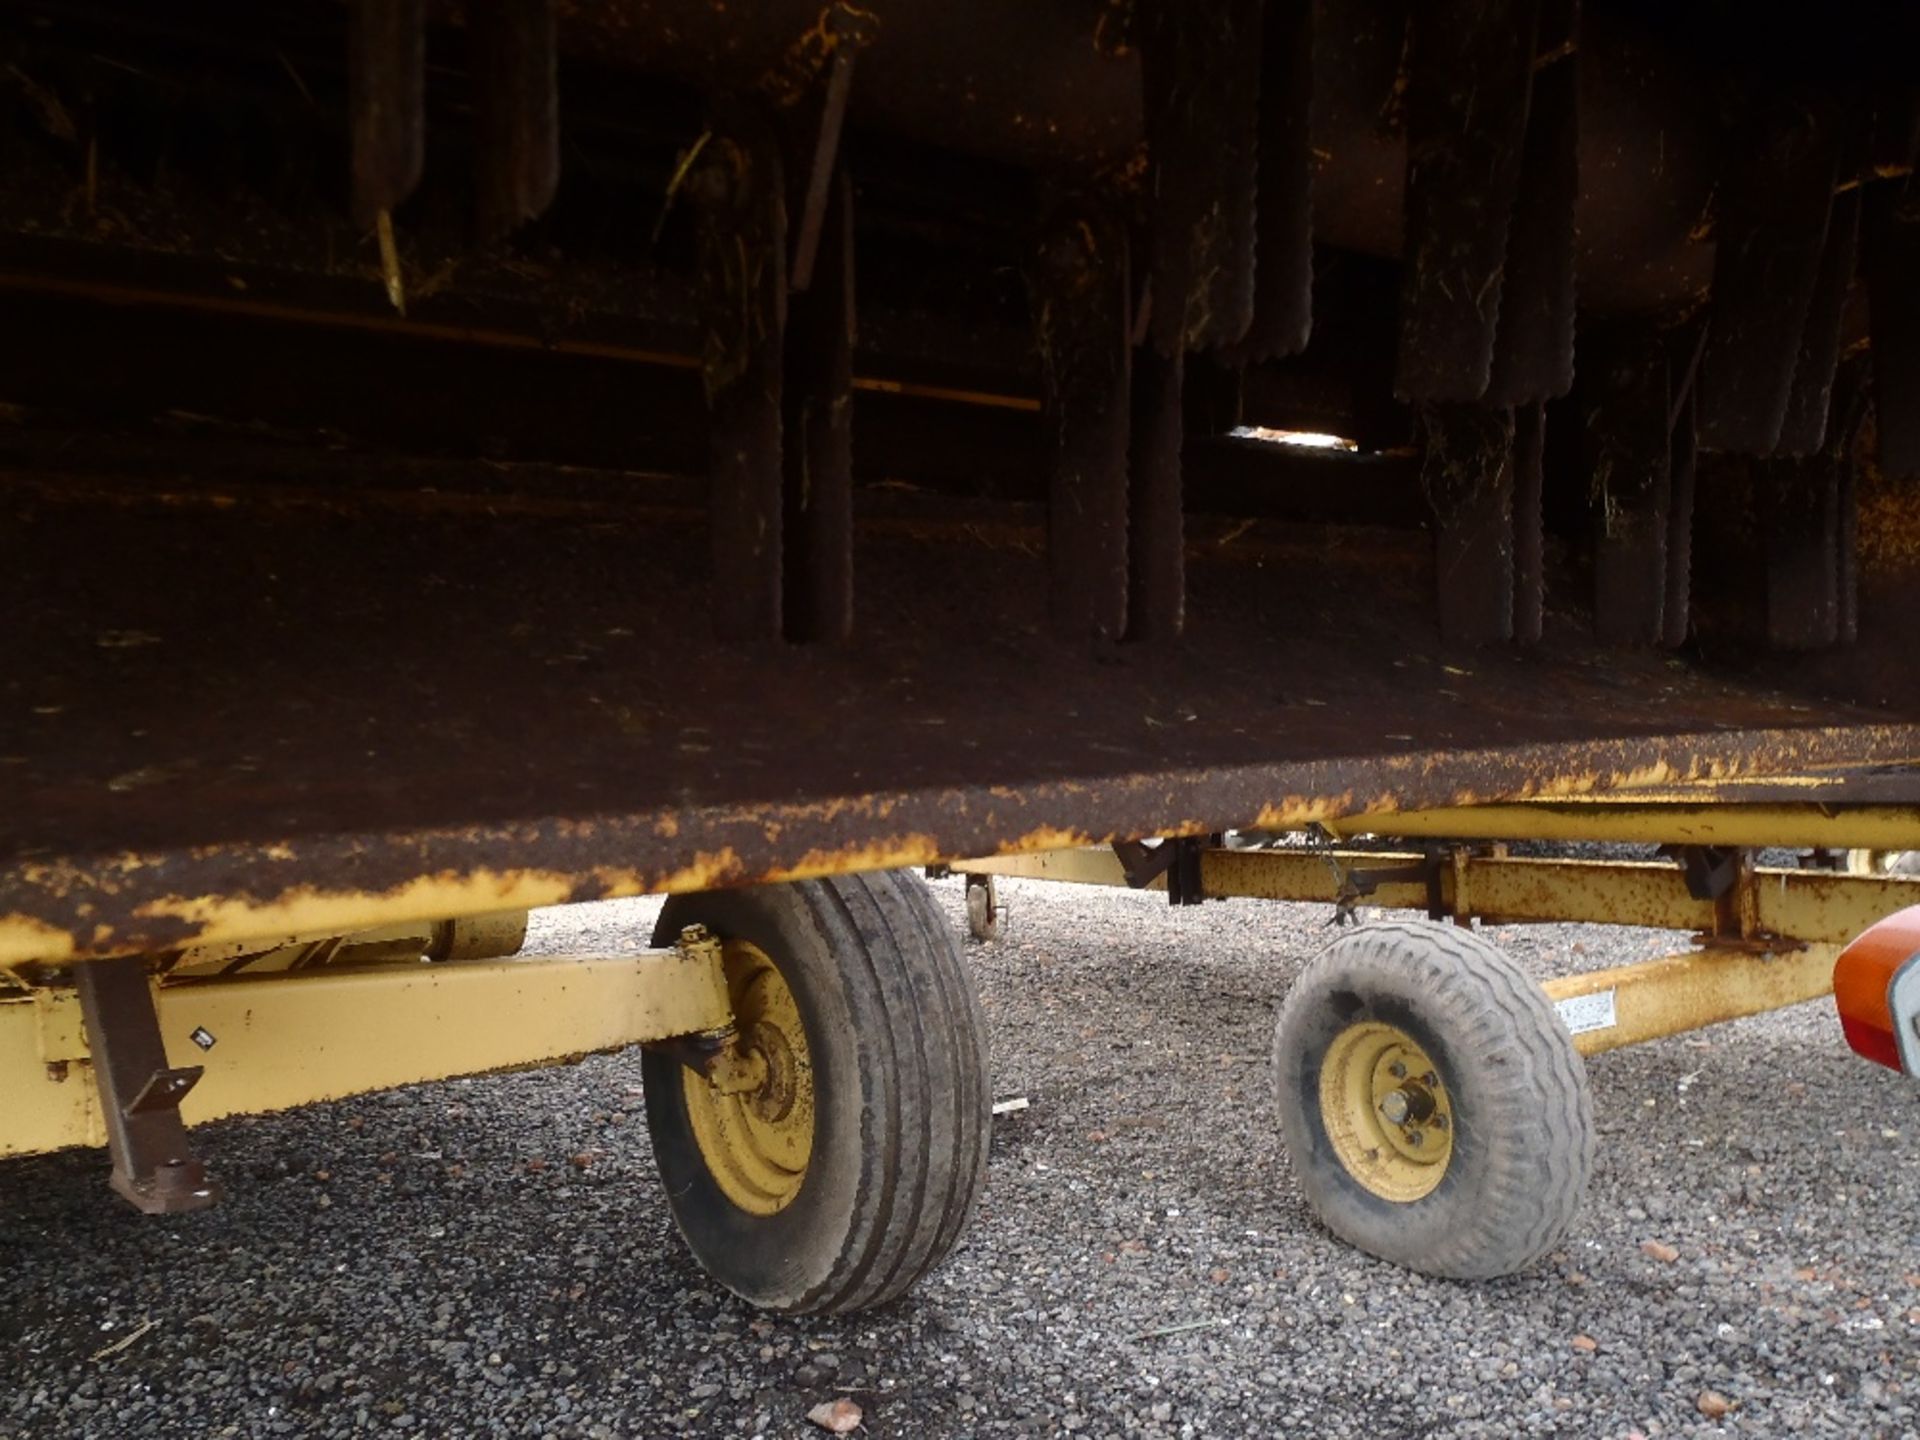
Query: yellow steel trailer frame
128	1050
373	1013
1765	936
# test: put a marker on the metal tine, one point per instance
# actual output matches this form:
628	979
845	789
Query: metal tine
1529	522
1811	396
1157	584
386	100
1775	201
844	31
1470	77
818	433
515	74
1467	471
1533	347
1683	459
1079	290
1283	270
736	189
1200	63
1625	409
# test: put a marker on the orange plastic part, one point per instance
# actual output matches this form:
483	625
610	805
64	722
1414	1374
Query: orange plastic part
1861	980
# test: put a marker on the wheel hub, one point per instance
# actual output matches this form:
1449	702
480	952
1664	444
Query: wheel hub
1386	1110
756	1143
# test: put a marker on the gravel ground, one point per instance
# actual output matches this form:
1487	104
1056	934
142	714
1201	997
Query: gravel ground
493	1257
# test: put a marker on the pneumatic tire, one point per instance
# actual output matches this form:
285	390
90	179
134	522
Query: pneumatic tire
1432	1102
849	1205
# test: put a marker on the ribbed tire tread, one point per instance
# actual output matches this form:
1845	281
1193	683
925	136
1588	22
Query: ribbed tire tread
900	1149
939	1103
1525	1139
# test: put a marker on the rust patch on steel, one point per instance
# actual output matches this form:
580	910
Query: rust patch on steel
364	714
204	894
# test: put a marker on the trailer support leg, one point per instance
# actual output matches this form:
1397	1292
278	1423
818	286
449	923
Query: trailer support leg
140	1094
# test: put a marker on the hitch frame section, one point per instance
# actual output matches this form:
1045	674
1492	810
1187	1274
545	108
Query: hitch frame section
117	1052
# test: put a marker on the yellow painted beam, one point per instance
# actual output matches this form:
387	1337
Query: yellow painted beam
46	1103
1088	866
1497	889
292	1039
1608	1009
1828	905
1817	906
478	937
1313	876
1683	820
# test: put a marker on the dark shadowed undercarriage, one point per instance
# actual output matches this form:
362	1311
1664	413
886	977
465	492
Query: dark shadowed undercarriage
532	452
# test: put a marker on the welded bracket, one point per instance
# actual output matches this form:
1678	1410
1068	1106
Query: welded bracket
1176	858
1184	883
1725	875
715	1054
1142	863
1357	885
1710	870
140	1093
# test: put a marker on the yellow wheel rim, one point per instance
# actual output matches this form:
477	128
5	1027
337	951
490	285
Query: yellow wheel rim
756	1144
1386	1110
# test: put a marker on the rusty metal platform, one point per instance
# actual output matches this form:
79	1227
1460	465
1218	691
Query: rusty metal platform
297	691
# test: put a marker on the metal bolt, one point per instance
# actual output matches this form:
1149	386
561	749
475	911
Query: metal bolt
1430	1080
1397	1070
1415	1137
1439	1122
175	1178
1396	1106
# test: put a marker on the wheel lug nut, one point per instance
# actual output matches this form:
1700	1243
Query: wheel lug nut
1416	1137
1439	1122
1397	1070
1430	1080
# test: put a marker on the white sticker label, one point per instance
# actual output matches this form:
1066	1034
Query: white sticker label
1581	1013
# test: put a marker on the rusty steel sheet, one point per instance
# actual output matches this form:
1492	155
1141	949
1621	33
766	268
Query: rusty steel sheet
239	708
66	907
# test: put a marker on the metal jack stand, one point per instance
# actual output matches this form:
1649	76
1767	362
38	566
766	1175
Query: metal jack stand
140	1094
